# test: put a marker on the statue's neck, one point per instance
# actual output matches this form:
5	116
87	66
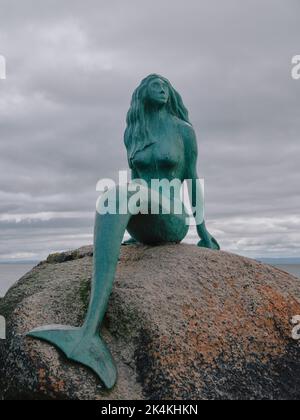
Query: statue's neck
157	116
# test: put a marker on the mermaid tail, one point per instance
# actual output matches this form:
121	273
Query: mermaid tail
80	347
84	345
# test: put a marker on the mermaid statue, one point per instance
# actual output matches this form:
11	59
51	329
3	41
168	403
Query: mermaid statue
161	144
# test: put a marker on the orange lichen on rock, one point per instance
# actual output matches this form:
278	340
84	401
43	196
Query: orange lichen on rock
182	323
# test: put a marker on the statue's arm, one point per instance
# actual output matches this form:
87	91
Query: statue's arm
195	187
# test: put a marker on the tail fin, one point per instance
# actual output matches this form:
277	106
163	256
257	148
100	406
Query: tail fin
79	347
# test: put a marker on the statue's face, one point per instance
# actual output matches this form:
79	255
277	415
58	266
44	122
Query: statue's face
158	91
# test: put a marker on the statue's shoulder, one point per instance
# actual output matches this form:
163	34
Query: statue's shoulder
186	129
188	135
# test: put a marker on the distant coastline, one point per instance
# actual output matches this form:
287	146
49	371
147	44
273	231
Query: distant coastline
280	261
12	271
265	260
289	268
17	262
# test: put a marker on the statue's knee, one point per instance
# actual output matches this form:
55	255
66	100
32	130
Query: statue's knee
123	199
109	200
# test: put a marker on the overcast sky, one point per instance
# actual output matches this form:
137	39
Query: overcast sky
71	69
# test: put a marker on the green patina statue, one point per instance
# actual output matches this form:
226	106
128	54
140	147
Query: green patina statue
161	144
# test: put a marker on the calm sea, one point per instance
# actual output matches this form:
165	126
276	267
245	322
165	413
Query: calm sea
290	268
10	273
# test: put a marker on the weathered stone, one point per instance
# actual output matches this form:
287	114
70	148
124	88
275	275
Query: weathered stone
183	323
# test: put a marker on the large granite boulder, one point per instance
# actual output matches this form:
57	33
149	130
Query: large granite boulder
183	323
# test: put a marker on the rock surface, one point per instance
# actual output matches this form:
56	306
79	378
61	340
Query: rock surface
183	323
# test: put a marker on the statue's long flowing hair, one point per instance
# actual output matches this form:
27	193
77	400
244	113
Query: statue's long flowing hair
136	135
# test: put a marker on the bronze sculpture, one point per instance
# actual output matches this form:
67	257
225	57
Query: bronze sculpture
161	144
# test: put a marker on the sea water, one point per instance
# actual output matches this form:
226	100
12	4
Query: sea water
11	273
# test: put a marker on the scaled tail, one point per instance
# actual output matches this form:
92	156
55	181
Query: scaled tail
82	348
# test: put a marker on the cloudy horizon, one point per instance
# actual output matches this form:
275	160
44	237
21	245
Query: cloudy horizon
71	71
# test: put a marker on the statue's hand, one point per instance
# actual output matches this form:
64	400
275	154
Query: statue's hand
210	243
207	241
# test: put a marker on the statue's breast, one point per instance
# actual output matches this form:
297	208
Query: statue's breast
161	154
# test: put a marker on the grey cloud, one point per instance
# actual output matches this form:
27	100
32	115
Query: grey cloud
72	67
